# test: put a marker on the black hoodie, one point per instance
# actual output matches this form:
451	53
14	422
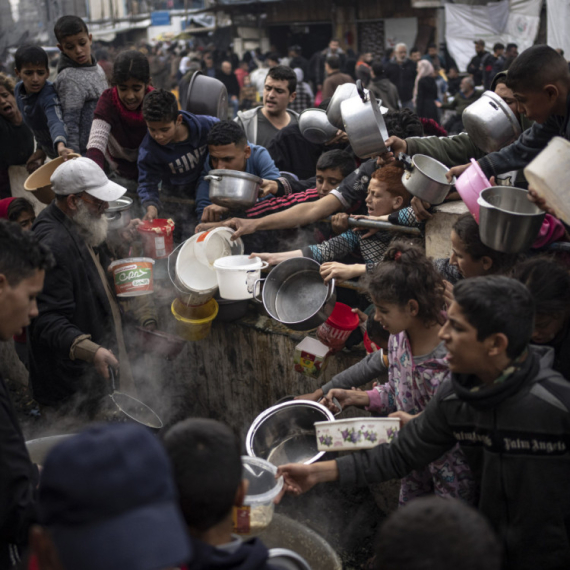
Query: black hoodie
250	555
516	438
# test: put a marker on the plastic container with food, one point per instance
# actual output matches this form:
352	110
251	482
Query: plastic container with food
257	511
133	276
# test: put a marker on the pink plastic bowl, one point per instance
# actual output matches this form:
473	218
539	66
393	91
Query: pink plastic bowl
470	184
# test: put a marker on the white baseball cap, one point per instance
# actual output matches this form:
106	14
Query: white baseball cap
84	175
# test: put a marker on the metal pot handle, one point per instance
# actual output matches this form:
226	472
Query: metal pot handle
360	90
254	290
212	177
335	402
112	376
331	290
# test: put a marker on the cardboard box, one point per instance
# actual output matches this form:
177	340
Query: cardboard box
311	357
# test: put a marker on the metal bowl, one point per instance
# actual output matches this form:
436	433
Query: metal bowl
490	123
207	96
285	433
233	189
315	126
508	221
118	213
342	92
425	178
39	449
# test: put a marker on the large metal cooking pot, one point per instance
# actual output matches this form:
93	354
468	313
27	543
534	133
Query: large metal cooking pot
508	221
118	213
425	178
233	189
364	124
490	123
284	532
315	126
295	294
40	448
285	433
207	96
342	93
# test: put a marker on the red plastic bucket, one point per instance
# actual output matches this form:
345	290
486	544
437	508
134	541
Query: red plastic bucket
337	328
157	237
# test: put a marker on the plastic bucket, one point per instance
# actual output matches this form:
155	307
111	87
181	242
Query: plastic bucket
194	323
337	328
470	185
214	244
133	276
157	237
39	181
237	275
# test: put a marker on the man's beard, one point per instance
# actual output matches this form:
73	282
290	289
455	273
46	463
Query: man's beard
92	228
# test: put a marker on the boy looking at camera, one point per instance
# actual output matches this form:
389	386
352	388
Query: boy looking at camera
80	81
38	102
172	154
509	412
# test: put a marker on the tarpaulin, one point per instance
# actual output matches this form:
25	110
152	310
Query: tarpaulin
507	21
558	21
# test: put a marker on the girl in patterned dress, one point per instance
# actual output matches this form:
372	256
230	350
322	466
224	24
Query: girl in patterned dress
408	294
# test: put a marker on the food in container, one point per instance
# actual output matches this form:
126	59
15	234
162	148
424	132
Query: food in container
194	322
355	433
257	511
157	237
133	276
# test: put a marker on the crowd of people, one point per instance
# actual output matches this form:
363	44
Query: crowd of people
475	346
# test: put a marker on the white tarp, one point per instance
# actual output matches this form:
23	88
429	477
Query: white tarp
558	20
507	21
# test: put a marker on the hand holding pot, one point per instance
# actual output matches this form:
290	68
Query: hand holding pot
299	478
540	201
340	138
268	187
346	398
102	360
242	227
340	271
313	396
456	171
420	209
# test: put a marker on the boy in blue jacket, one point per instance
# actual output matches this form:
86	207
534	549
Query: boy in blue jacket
38	102
172	154
229	149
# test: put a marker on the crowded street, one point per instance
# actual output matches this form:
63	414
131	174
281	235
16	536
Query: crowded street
284	285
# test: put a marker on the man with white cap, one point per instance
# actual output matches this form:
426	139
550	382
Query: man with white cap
77	335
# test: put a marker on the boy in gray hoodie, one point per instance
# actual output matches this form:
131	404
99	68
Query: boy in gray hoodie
80	81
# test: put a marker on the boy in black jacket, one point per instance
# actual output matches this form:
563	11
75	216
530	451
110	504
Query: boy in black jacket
508	410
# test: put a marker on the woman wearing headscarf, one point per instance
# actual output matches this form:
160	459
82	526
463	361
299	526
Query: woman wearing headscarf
425	91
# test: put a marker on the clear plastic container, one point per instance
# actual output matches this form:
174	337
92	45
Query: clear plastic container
257	511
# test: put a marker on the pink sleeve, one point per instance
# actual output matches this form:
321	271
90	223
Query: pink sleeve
381	399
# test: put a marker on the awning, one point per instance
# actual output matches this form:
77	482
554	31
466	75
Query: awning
107	32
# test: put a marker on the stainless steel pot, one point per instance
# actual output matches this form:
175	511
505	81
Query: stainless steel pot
207	96
425	178
285	433
315	126
118	213
508	221
342	93
364	124
233	189
490	122
295	294
39	449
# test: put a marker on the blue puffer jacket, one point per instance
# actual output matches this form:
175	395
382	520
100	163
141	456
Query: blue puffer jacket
177	165
43	116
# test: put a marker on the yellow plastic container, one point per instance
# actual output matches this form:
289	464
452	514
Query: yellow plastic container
194	323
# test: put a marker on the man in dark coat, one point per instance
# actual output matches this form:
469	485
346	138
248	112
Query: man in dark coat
402	72
73	338
23	263
475	65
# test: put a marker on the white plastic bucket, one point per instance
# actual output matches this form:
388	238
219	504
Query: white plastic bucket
548	175
237	275
216	243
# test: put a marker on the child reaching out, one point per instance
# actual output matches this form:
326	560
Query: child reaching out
118	126
408	294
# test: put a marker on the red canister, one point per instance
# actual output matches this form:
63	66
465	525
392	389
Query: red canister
337	328
157	237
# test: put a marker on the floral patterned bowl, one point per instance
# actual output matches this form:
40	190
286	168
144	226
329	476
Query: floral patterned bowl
355	433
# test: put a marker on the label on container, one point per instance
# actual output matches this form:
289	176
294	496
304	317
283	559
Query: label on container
241	518
133	278
159	246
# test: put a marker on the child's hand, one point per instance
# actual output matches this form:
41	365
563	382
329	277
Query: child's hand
213	213
456	171
62	150
420	209
339	222
151	213
404	417
346	398
384	218
362	317
313	396
268	187
340	138
335	270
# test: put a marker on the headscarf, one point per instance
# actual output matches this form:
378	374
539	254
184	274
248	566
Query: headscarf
4	205
425	69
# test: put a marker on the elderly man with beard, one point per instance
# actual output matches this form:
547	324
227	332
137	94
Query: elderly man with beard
77	335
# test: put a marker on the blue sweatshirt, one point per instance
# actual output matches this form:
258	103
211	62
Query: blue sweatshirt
177	165
259	164
42	115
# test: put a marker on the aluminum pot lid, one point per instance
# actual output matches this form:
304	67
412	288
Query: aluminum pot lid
236	174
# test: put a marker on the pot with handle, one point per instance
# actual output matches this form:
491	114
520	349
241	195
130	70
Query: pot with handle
364	124
295	294
118	213
233	189
342	93
425	178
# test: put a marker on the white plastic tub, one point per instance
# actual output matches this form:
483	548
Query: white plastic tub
237	275
355	433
